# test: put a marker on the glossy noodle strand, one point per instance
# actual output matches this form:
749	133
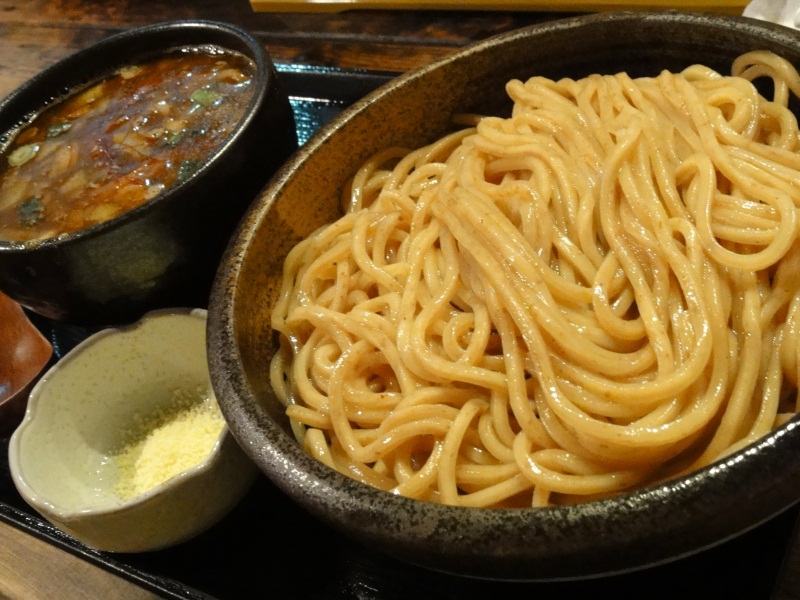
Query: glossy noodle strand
599	292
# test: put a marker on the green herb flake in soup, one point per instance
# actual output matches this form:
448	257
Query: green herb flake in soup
120	142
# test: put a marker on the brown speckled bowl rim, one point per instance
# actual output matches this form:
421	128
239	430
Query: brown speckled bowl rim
648	527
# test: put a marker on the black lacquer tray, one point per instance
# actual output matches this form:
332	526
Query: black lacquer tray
268	547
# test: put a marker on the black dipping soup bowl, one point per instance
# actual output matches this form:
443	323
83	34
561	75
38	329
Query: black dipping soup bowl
165	252
631	531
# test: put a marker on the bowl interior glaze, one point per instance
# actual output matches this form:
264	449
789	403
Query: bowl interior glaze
627	532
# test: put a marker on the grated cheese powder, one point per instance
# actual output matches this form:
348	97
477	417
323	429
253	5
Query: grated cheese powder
167	443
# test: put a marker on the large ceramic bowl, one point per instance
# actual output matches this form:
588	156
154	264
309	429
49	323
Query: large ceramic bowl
630	531
165	252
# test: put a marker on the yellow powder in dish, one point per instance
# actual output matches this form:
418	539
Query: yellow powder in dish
168	442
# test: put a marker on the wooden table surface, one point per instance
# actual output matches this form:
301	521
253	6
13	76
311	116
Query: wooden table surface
37	33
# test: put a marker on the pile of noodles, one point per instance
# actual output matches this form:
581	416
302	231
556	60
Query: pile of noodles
599	292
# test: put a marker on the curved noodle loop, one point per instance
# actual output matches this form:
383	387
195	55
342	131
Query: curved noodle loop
599	292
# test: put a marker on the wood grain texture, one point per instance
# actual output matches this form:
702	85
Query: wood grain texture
37	33
33	569
722	6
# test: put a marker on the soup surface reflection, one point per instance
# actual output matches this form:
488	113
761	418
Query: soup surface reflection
120	142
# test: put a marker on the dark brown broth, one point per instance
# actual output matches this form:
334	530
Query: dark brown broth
120	142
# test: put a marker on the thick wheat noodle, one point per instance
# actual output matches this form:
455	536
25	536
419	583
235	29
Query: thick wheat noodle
599	292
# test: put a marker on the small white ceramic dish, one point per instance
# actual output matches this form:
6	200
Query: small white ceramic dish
61	455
